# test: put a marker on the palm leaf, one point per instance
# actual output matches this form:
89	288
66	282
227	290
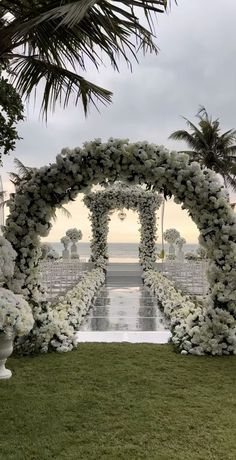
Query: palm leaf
182	135
230	181
65	212
60	83
23	170
61	35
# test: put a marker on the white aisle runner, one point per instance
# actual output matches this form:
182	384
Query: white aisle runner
124	311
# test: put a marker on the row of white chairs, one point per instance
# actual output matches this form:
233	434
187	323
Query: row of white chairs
58	277
188	275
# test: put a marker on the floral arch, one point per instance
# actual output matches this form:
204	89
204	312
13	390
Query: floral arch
118	196
33	205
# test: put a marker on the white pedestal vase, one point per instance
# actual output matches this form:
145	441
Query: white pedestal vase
6	349
171	249
74	253
65	254
180	255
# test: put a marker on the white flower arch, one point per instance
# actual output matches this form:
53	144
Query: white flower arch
118	196
199	191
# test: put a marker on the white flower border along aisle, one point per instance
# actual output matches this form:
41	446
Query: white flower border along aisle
118	196
171	173
195	329
57	324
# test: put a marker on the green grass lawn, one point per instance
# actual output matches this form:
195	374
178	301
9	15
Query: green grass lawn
119	401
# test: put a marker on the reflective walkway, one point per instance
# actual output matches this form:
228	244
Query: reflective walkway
124	310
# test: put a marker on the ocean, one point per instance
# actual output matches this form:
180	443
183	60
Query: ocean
118	252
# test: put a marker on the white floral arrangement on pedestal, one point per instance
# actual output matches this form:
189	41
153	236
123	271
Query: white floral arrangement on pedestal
65	240
15	313
16	317
171	235
180	241
75	235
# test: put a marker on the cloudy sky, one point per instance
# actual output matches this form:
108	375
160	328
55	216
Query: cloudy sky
196	66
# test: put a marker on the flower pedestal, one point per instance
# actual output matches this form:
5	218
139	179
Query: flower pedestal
74	254
65	254
6	349
180	255
171	249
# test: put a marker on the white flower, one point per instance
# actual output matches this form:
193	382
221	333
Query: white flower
74	234
15	314
171	235
7	259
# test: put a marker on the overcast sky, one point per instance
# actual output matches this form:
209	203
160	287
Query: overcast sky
196	66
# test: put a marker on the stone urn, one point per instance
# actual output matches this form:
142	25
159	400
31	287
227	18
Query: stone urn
6	349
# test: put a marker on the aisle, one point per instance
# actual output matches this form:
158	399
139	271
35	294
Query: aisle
124	310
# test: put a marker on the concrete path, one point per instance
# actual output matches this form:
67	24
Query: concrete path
124	311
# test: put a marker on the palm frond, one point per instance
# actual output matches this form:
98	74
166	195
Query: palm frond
182	135
197	132
60	83
59	35
230	181
65	212
3	202
23	170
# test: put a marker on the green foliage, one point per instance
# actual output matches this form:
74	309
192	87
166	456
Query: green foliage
119	401
11	112
51	42
210	147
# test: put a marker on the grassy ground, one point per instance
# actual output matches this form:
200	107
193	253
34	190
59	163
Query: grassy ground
119	401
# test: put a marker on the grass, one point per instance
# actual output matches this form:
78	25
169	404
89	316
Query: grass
119	401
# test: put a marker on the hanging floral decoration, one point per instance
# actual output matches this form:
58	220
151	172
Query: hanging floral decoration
118	196
33	205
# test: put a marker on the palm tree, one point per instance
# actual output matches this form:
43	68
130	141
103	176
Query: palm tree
210	147
52	43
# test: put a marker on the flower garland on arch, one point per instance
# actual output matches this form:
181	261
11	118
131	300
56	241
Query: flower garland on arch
199	191
117	196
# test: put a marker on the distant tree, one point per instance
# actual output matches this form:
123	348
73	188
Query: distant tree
11	112
213	149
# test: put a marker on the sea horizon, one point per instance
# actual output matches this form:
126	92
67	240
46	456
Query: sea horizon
118	252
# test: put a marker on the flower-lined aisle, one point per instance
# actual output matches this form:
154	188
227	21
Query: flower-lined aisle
195	329
56	324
